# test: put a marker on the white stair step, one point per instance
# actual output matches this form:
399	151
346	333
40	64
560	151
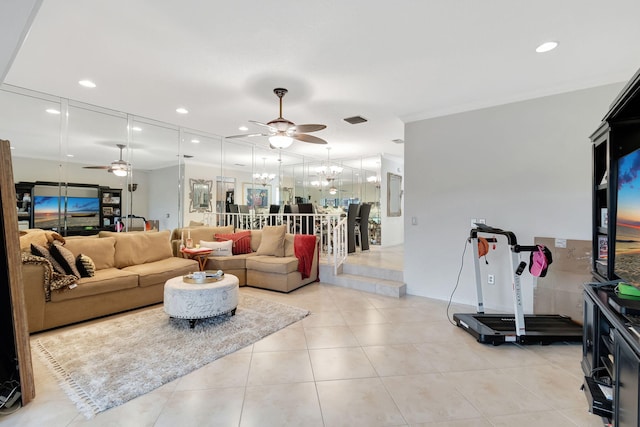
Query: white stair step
392	288
371	271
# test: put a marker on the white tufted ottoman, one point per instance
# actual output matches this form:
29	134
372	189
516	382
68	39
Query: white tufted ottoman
200	301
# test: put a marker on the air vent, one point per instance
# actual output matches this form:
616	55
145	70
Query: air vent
355	120
398	141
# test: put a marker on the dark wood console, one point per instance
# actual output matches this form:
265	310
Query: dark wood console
611	356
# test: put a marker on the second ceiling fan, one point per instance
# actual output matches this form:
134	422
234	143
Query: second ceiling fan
282	132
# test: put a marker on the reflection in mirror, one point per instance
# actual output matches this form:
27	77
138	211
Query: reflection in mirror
162	158
200	196
394	194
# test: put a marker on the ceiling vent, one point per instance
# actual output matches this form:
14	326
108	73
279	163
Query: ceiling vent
355	120
398	141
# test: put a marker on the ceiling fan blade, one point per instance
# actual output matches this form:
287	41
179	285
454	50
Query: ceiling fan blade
308	138
271	128
246	135
309	128
96	167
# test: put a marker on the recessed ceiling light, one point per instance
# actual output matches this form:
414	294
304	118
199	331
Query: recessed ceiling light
13	148
52	111
195	141
546	47
182	110
69	155
243	128
87	83
136	129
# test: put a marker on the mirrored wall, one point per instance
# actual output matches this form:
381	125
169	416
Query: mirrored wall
59	145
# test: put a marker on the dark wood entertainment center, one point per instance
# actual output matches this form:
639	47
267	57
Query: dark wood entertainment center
109	205
611	340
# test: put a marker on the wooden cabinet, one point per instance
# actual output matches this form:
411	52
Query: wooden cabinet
24	204
110	207
617	136
611	360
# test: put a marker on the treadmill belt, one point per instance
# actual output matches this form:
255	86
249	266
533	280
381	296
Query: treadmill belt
499	328
531	324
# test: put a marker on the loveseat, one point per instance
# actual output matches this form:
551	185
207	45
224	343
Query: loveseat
128	271
269	258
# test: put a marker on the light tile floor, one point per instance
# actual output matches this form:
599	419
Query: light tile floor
358	360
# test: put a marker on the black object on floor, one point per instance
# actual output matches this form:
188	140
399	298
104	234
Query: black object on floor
497	329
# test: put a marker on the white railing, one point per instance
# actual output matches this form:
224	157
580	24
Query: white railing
331	229
340	249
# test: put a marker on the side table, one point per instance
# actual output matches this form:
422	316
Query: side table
199	254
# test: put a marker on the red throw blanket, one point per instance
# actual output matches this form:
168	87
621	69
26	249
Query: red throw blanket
304	246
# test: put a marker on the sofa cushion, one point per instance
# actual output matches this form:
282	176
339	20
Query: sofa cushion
102	251
85	265
66	259
43	252
105	280
200	233
272	242
39	237
157	272
218	248
271	264
241	241
256	239
224	263
134	248
289	245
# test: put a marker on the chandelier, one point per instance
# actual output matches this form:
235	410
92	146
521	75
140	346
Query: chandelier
329	172
264	178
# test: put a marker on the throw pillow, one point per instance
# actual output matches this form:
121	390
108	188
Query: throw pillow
66	259
43	252
272	242
85	266
219	248
241	241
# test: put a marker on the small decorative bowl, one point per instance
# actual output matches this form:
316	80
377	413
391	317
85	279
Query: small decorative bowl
207	276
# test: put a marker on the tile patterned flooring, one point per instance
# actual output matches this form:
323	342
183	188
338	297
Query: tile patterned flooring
358	360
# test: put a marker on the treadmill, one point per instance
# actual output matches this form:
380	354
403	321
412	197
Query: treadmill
518	327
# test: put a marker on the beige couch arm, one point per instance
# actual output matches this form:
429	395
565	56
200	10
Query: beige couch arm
175	248
33	282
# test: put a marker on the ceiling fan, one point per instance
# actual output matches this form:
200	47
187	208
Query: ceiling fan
117	167
282	132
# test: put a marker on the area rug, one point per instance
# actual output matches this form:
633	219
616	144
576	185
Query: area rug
108	363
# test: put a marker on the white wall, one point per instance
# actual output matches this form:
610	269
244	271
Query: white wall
391	228
525	167
164	197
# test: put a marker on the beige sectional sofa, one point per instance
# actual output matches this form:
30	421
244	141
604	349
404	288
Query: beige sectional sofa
272	265
130	272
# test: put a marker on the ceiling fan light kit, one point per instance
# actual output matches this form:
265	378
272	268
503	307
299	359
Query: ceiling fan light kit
119	171
283	132
117	167
280	141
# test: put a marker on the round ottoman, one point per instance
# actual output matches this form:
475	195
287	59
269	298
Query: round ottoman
200	301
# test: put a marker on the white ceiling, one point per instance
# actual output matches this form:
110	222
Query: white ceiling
391	62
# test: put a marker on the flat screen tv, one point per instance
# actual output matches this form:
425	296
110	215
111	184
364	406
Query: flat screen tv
627	232
79	212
